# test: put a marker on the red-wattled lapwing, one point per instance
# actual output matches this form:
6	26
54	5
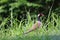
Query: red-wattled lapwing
38	24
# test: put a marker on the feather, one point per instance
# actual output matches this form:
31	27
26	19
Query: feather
38	24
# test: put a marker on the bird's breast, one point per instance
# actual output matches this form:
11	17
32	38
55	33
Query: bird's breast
39	23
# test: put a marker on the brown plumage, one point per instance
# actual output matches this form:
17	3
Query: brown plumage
38	24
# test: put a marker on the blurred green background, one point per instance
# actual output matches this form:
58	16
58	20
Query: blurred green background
17	16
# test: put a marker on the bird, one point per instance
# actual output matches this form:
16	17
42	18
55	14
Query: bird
36	25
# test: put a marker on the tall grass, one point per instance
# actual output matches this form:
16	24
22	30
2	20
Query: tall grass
16	31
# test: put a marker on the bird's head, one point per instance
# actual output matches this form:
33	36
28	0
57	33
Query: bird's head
40	14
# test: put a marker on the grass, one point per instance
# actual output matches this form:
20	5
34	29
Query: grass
16	32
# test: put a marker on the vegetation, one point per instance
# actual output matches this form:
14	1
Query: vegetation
17	16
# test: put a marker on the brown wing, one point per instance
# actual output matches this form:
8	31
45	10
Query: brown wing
36	25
